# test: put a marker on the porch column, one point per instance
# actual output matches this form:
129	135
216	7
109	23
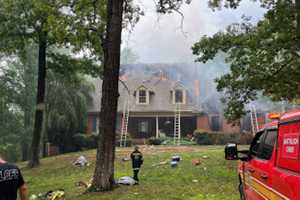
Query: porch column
157	128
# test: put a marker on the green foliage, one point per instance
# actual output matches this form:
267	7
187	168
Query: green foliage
84	141
202	138
219	138
17	98
154	141
263	58
66	109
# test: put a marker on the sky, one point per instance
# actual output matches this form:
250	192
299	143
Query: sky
159	38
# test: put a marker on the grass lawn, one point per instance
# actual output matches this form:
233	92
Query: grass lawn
216	178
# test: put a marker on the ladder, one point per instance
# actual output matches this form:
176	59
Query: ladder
177	125
253	118
124	126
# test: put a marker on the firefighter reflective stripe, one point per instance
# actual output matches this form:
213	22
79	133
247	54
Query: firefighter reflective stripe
262	189
136	168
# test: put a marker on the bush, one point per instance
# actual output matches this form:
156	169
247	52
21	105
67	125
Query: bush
203	137
154	141
10	152
85	141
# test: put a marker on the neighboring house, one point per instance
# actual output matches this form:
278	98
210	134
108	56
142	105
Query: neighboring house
152	102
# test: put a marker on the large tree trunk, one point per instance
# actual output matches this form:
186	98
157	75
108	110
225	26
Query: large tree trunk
104	171
40	106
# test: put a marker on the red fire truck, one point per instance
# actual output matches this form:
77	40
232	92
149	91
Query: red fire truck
270	169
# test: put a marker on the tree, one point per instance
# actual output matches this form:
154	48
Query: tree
28	21
10	115
264	58
66	108
118	13
49	24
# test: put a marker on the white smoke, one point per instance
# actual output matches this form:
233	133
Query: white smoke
161	39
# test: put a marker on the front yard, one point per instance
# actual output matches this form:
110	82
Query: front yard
213	179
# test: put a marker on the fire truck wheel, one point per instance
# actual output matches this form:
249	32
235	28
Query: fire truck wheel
241	190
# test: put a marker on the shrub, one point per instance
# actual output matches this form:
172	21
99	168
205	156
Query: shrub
85	141
203	137
154	141
10	152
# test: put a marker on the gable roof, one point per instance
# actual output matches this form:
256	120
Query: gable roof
160	95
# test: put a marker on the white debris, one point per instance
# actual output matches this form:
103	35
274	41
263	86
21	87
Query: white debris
81	161
174	163
126	180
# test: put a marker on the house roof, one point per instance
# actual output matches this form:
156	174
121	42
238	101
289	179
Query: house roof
160	99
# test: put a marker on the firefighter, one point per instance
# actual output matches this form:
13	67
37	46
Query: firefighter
137	161
11	180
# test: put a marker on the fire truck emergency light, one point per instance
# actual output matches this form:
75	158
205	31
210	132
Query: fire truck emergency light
274	116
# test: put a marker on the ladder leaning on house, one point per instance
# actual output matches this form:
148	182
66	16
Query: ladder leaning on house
177	125
124	125
254	121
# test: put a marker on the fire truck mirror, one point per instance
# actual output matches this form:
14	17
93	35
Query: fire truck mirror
231	152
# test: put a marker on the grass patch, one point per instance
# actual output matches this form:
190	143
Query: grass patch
216	178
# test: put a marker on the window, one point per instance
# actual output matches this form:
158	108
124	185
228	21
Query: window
256	143
266	150
94	124
142	96
143	127
178	96
263	144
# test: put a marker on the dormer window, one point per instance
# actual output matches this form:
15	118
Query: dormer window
142	96
179	96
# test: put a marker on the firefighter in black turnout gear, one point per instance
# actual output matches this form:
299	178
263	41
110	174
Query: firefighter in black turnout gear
137	161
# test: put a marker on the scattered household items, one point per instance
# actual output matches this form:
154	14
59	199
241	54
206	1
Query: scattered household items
126	180
196	162
84	184
176	158
125	159
54	195
50	195
174	163
81	162
160	163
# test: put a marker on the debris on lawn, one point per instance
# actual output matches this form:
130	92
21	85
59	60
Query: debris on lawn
176	158
84	184
205	157
160	163
125	159
81	162
174	163
50	195
126	180
196	162
195	181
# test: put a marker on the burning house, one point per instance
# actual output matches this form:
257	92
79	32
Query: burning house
158	100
